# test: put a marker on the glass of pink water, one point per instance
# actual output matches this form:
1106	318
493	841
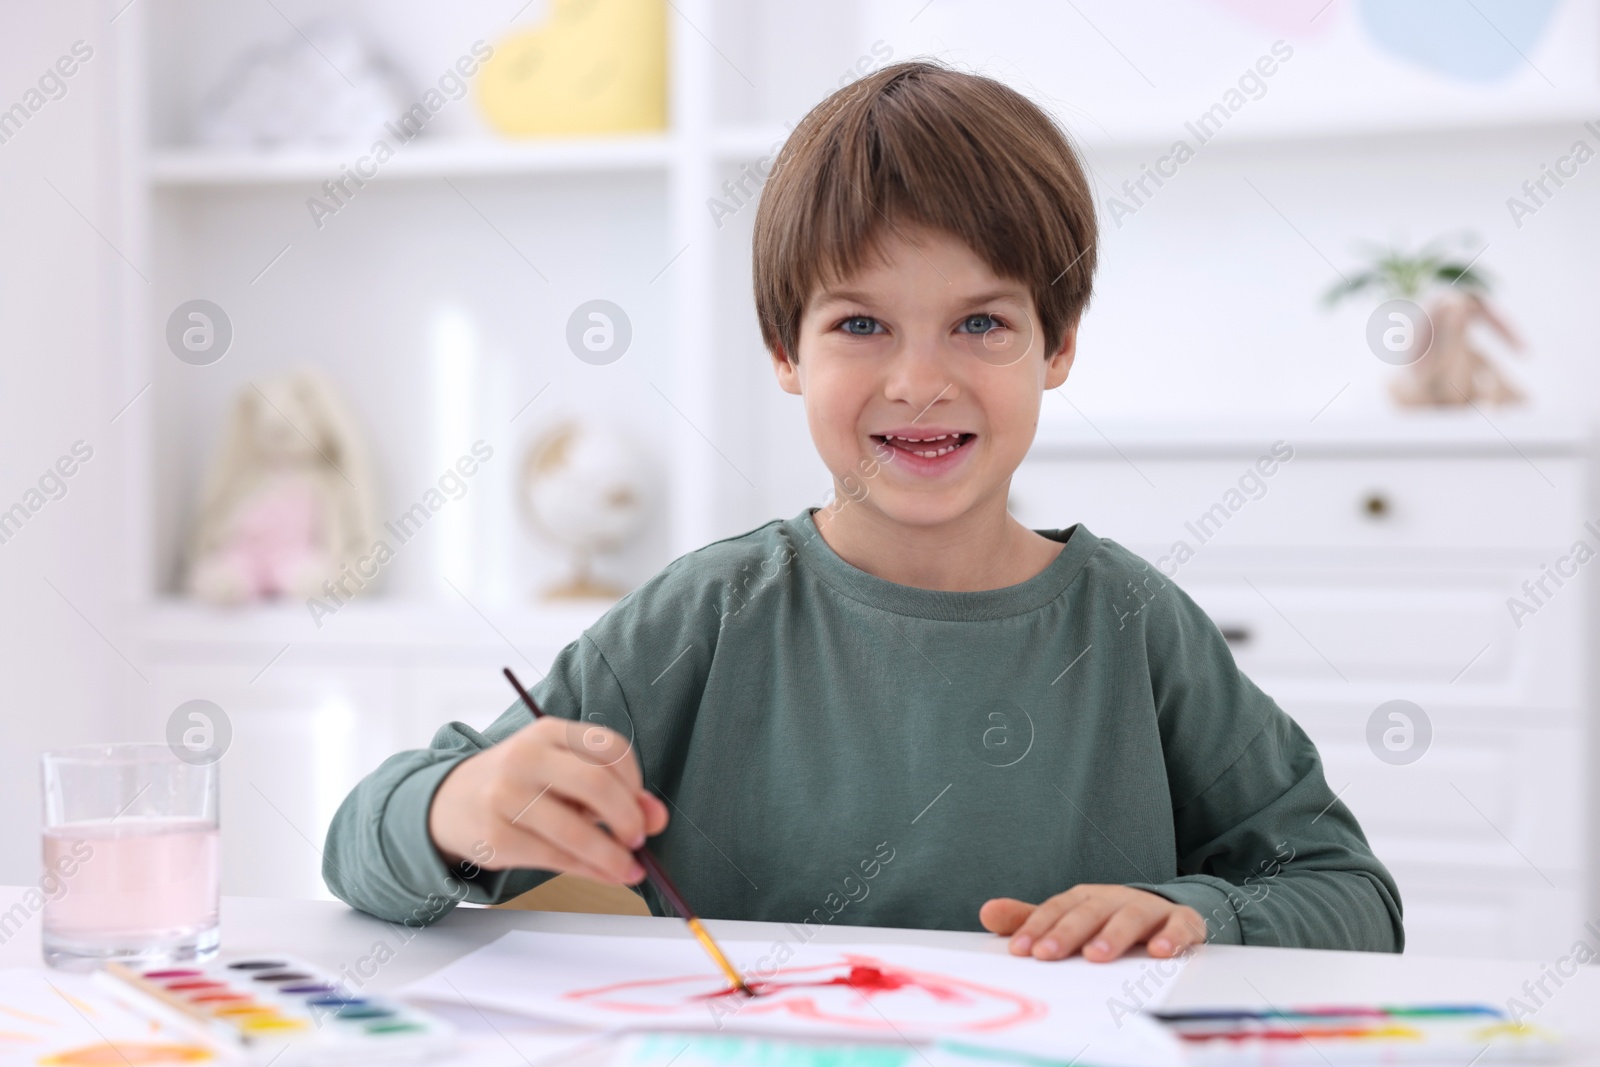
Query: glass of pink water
132	859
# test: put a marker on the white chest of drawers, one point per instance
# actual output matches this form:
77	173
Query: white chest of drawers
1387	562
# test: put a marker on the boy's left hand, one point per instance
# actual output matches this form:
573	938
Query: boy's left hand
1104	921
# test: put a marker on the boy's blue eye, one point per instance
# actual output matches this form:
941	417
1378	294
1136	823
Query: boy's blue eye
981	323
861	325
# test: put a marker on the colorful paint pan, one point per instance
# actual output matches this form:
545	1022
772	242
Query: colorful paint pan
364	1011
1318	1036
275	1000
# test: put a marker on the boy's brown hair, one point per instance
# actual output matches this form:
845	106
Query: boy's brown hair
917	142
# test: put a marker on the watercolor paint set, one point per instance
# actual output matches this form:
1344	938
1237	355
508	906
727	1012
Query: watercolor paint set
1319	1036
266	1007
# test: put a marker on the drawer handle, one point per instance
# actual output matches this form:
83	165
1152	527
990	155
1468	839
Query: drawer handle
1235	635
1376	506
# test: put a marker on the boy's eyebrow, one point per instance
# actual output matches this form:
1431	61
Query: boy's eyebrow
849	296
1013	292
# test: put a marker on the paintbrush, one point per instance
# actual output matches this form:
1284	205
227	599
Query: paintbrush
658	878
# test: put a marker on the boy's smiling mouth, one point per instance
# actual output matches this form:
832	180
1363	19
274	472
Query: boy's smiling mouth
930	450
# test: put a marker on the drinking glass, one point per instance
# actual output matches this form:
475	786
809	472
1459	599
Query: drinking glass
131	855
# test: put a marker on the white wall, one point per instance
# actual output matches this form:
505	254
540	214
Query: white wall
1208	297
63	683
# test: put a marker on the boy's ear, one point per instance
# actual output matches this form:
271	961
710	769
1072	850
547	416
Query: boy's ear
1059	363
787	370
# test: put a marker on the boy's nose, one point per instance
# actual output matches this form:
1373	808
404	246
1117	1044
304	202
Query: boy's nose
921	373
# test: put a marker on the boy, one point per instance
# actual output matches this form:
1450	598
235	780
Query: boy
905	708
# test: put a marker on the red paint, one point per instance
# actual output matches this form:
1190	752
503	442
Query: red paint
756	989
803	992
179	987
865	979
862	978
1240	1036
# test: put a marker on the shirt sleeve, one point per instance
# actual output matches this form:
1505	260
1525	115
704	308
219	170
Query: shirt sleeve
1267	853
379	856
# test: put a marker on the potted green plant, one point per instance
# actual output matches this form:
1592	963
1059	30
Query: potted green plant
1432	299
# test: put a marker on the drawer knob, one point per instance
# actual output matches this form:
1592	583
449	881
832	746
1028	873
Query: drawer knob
1235	635
1375	505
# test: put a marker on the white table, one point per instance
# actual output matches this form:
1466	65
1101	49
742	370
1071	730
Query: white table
338	938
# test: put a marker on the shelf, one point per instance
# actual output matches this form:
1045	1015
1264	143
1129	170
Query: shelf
1064	433
741	142
440	158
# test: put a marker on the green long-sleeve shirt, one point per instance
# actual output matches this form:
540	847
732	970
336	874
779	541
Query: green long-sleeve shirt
837	748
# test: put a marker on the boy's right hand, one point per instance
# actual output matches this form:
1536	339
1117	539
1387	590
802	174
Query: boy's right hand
536	799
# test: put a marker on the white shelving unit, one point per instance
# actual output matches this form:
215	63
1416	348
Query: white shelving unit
441	158
215	224
676	166
513	234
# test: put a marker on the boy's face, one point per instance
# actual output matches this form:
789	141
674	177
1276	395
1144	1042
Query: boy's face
926	342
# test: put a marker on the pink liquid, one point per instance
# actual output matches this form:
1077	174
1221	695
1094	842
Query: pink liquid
138	880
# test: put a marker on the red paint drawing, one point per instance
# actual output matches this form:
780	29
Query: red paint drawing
854	991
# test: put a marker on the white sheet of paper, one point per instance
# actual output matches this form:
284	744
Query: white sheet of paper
493	1038
1068	1010
713	1050
520	1048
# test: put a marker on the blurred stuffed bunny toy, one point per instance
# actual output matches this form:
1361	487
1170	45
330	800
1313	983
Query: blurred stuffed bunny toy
288	501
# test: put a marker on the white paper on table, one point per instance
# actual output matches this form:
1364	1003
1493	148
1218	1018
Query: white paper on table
522	1048
1066	1010
493	1038
721	1050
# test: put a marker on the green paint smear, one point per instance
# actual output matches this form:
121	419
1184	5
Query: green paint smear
393	1028
754	1052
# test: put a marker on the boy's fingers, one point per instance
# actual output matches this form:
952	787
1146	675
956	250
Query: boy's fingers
1069	933
1127	926
601	746
1036	924
1183	929
592	743
575	833
655	812
1044	919
520	848
609	752
1003	915
612	803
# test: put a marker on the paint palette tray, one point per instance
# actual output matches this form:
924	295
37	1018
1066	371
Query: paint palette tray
1323	1036
283	1010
